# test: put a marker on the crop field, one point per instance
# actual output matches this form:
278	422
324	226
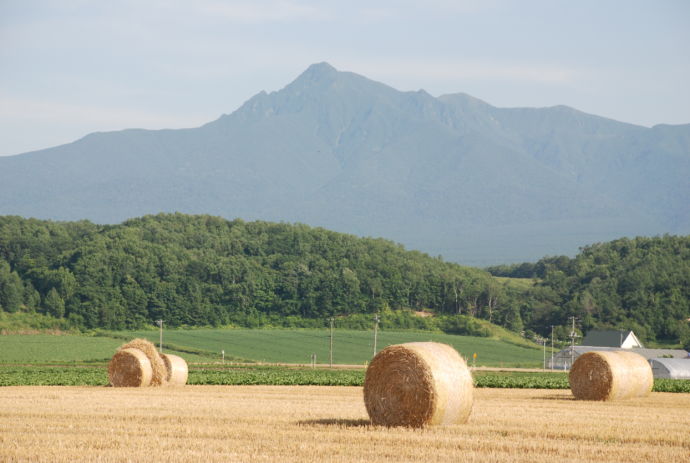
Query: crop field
261	345
46	348
349	347
96	375
315	423
91	375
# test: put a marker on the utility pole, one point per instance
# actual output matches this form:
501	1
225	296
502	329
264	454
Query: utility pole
160	339
543	343
573	335
377	319
552	347
331	349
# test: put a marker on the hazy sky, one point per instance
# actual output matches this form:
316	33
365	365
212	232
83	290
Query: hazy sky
71	67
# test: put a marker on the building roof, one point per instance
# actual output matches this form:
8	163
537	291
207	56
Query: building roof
646	353
607	338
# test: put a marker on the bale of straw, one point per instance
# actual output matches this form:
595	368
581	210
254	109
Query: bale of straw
157	364
610	375
176	369
418	384
130	368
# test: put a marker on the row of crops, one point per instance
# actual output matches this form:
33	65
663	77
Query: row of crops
350	347
261	345
96	375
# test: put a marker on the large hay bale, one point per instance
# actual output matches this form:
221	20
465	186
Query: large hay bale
157	364
130	368
418	384
610	375
176	369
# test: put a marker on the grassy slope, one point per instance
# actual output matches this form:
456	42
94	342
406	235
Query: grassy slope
517	283
498	333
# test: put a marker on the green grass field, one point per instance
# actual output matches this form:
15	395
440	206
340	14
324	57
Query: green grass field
268	346
46	348
69	348
349	347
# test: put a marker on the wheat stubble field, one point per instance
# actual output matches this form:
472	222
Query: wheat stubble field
298	424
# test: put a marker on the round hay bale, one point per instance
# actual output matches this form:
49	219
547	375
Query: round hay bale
157	364
418	384
610	375
176	368
130	368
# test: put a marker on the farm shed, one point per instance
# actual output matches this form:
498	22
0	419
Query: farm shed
674	368
625	339
565	358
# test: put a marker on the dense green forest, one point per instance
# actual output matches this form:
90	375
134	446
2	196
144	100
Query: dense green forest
202	270
208	271
642	284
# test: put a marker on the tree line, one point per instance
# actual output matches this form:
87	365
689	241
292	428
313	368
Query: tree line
198	270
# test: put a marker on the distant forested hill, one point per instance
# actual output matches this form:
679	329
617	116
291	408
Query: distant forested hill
202	270
641	283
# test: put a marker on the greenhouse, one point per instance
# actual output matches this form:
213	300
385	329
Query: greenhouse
673	368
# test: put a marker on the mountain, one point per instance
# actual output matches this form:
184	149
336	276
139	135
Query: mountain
451	175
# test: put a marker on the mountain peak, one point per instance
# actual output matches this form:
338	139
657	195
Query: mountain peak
318	72
323	66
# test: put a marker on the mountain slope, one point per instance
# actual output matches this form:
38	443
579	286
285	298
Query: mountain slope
450	175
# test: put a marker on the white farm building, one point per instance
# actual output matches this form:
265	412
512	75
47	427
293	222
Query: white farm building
615	340
670	368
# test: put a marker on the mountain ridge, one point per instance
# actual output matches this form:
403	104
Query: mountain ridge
450	175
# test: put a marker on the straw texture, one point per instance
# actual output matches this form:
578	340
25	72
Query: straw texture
159	372
418	384
176	369
610	375
130	368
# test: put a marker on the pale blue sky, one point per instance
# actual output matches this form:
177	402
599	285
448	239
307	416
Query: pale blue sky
71	67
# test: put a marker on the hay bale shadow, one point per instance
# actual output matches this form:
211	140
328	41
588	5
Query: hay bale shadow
338	422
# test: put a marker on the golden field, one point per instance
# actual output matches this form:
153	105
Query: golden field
301	424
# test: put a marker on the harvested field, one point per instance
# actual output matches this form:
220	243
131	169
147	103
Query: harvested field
314	423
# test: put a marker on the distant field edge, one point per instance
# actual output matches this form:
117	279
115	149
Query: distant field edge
236	375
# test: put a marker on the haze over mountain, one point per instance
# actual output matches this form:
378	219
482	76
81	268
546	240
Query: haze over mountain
451	175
